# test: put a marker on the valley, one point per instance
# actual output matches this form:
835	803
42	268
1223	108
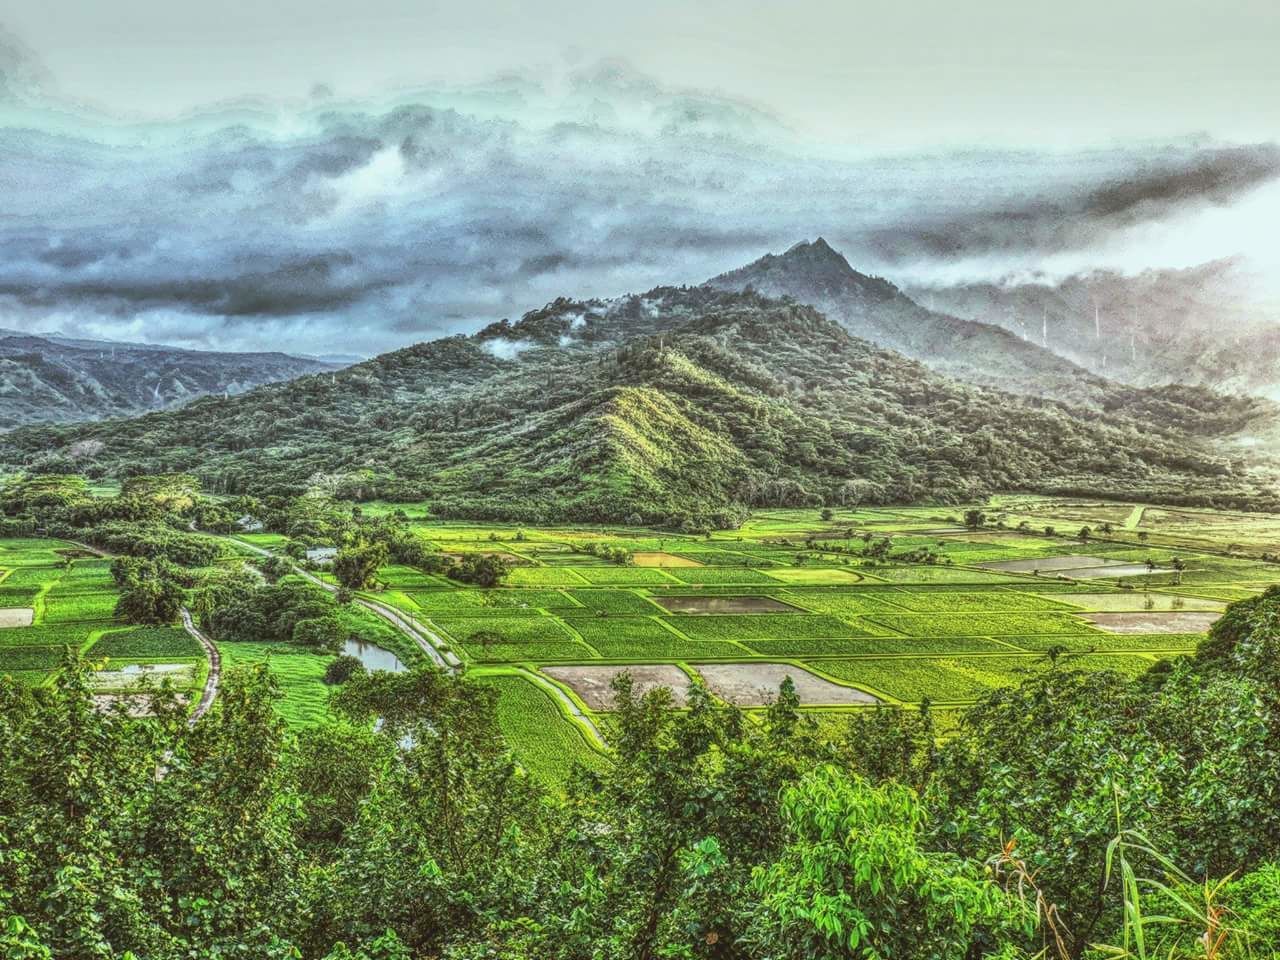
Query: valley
894	606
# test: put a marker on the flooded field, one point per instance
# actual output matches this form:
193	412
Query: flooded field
724	605
373	657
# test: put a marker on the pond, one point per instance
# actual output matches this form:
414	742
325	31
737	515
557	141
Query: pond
373	657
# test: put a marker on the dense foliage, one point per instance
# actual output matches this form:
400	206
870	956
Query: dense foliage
1055	813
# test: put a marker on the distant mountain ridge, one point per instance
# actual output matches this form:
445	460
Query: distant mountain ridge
54	378
876	310
1161	326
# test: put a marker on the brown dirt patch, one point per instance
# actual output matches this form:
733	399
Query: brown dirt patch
655	559
756	684
724	605
592	683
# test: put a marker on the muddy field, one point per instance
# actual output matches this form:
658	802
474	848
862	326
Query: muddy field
756	684
724	605
1178	621
592	684
1137	600
16	617
1042	564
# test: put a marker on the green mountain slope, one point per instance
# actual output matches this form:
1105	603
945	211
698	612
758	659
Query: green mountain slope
679	404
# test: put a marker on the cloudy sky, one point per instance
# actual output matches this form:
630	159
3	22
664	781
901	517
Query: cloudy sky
326	177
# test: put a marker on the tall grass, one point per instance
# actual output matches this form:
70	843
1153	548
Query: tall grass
1168	916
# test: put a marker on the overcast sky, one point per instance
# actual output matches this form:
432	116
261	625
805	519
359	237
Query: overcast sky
385	187
883	72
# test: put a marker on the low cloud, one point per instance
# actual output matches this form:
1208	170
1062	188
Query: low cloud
339	226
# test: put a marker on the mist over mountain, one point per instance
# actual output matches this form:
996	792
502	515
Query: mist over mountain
1160	326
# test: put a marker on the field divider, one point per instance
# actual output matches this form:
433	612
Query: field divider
569	704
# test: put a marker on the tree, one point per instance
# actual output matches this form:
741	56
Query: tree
484	570
1084	534
341	669
856	879
150	601
355	567
973	519
826	514
273	568
323	633
485	639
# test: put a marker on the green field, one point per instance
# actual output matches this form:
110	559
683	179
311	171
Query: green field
72	598
788	586
949	630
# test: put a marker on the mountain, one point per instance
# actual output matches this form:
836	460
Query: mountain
876	310
680	405
1158	326
55	378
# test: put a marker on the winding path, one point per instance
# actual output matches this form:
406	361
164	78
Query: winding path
210	692
214	677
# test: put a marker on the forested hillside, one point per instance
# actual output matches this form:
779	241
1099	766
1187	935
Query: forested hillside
680	405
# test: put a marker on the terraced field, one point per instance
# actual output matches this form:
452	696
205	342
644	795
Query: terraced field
790	593
54	596
940	612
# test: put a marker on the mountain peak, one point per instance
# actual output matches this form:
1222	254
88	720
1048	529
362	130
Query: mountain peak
811	270
818	254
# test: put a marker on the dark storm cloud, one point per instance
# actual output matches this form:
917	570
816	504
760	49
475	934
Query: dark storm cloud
1141	190
359	226
302	285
